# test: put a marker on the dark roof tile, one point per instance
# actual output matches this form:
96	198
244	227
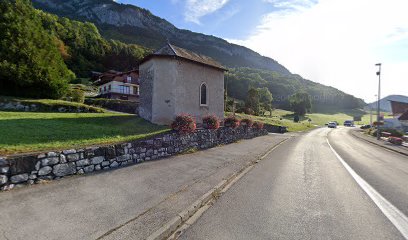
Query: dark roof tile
171	50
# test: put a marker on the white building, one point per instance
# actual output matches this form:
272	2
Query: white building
119	85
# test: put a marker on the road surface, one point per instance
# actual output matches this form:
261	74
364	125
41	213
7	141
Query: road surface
302	190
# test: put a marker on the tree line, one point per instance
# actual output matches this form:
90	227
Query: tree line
41	53
239	81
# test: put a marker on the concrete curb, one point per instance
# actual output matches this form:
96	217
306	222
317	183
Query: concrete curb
185	218
355	134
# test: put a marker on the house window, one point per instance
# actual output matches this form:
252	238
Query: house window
109	87
136	90
129	79
124	89
104	88
203	95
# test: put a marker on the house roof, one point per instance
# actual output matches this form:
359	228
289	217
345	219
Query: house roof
404	116
170	50
398	107
112	75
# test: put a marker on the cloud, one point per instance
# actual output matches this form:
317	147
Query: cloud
337	43
195	9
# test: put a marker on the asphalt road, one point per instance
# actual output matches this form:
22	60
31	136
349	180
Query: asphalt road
125	203
303	191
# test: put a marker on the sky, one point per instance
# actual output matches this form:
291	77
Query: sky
333	42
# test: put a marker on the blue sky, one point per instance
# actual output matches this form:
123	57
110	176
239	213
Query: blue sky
333	42
233	20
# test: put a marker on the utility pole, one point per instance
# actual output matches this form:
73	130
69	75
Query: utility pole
378	101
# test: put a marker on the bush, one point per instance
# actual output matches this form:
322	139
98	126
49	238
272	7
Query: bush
296	119
76	95
395	140
211	122
394	133
184	124
258	125
247	122
232	122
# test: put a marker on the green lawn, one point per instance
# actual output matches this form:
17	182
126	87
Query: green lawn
32	131
285	118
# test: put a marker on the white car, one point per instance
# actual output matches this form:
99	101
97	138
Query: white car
332	125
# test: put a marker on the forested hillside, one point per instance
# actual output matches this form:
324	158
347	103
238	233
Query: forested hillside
40	52
132	24
85	50
239	80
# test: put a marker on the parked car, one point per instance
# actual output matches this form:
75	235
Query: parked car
349	123
368	126
332	125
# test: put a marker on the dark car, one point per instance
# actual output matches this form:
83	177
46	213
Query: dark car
368	126
348	123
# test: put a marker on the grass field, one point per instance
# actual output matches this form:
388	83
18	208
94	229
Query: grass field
285	118
28	132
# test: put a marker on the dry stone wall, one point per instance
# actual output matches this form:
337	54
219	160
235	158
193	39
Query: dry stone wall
36	168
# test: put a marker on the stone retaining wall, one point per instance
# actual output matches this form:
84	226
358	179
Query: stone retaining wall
30	169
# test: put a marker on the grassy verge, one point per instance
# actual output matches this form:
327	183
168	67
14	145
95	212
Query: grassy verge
278	118
31	131
285	118
45	105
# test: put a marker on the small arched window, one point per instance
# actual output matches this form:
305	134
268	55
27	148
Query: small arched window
203	95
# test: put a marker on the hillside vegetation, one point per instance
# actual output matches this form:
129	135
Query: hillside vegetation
41	53
282	86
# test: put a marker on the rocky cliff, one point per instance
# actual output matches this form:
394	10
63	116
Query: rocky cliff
132	24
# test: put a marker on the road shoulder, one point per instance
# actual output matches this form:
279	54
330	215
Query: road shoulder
381	143
127	203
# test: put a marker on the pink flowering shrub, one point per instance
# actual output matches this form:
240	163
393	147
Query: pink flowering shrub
232	122
247	122
258	125
184	123
211	122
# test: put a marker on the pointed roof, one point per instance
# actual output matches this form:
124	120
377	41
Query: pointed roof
404	116
170	50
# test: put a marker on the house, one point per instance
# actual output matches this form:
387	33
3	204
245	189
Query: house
400	115
404	120
118	85
174	80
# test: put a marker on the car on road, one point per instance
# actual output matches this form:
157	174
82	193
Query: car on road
349	123
368	126
332	125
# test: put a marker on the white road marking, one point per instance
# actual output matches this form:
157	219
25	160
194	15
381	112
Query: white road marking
397	218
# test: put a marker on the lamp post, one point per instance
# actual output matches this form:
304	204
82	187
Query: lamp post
378	101
371	111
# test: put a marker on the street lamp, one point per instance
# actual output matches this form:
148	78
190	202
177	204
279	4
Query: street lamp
378	101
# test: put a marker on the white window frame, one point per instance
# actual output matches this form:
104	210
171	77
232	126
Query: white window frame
207	95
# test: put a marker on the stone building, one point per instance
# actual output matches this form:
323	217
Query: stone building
174	81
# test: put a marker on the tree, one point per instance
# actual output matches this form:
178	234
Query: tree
265	99
252	100
300	103
30	62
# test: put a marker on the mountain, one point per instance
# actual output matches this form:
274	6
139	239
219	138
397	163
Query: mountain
131	24
385	104
324	98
